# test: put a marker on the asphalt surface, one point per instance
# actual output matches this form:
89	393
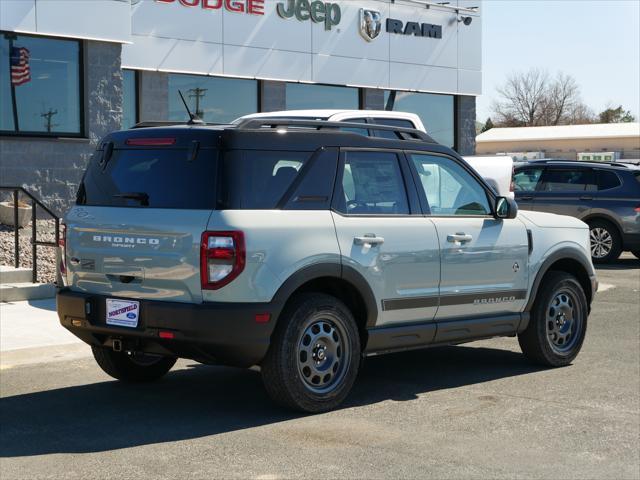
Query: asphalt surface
474	411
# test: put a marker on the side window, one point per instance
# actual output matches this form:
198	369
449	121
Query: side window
449	188
527	179
392	122
257	179
607	180
372	184
568	180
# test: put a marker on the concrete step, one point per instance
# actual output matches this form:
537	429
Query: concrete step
14	275
15	292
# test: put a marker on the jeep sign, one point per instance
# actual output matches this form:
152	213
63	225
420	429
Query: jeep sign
317	11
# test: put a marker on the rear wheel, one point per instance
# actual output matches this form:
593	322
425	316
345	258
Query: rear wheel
606	244
558	322
314	356
132	366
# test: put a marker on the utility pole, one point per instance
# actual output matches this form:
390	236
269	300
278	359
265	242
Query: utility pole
49	116
198	93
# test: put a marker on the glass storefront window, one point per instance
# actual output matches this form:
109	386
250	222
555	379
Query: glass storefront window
40	85
435	111
213	99
304	96
129	99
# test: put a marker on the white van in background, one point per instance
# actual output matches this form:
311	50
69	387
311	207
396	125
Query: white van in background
497	171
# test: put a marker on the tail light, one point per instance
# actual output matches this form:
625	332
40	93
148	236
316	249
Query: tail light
62	243
637	209
222	258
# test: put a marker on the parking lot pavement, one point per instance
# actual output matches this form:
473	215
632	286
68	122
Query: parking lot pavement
478	410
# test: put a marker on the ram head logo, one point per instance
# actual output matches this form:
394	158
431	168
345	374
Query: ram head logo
370	24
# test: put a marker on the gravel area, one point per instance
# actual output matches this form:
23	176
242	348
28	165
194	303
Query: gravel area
46	255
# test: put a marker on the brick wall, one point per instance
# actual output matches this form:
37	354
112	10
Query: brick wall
52	168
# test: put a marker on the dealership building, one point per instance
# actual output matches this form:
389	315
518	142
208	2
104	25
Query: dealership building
72	71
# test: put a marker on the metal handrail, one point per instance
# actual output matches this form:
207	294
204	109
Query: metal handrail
35	202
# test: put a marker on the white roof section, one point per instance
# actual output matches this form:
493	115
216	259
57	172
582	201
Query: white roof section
561	132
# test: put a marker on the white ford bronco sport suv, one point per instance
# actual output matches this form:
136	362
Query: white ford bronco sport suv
302	247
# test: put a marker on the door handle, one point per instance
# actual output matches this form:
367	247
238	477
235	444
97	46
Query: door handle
459	238
526	198
586	197
368	239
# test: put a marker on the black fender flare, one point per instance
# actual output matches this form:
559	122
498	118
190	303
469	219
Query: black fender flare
561	254
328	270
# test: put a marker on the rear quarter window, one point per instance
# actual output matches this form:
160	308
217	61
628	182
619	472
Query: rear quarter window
257	180
607	180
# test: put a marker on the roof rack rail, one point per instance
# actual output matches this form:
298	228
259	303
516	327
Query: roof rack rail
403	133
170	124
621	163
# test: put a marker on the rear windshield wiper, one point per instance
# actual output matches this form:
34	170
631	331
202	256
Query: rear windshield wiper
141	197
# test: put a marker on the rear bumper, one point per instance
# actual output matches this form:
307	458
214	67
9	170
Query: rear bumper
212	332
631	241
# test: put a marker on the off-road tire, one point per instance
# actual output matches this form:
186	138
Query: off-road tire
616	240
281	369
122	366
535	341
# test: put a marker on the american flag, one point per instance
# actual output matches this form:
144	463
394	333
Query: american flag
20	71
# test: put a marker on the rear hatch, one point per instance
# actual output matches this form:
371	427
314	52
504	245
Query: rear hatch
142	206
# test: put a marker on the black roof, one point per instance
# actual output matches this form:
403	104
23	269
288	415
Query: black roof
278	134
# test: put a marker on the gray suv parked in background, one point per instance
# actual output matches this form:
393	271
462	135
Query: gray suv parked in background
606	196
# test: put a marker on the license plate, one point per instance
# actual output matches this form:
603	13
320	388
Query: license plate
123	313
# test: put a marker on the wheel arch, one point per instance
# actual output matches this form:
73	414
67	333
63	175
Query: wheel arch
342	282
604	217
570	261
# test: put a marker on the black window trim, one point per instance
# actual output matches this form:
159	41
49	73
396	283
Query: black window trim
82	95
409	187
491	196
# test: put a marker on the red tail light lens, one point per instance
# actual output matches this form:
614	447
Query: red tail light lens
62	243
222	258
637	209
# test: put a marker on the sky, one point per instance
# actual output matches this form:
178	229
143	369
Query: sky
597	42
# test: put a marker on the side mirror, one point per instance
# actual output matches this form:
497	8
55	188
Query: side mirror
506	207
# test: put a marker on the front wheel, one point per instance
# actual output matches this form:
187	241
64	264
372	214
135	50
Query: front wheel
132	366
314	356
558	322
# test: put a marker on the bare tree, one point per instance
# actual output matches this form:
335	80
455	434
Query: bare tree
523	98
533	98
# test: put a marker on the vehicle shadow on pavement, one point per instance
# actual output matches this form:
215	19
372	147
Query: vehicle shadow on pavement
620	264
202	400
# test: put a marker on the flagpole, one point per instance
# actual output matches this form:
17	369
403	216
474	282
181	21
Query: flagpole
14	104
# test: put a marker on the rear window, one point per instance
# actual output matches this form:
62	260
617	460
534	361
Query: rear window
568	180
154	178
257	180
